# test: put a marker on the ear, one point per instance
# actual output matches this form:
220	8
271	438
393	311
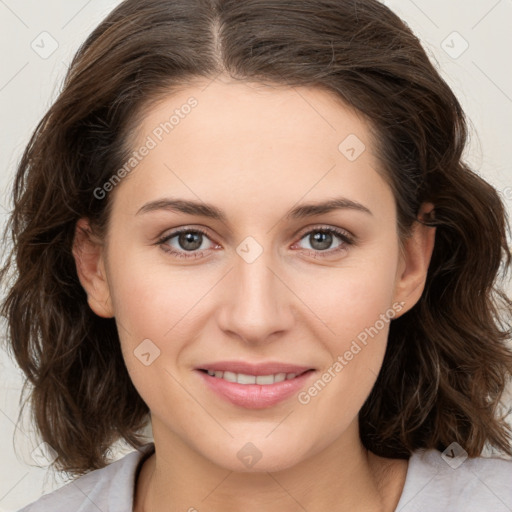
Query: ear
88	252
414	261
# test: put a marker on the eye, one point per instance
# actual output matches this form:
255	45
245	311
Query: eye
194	242
186	242
326	241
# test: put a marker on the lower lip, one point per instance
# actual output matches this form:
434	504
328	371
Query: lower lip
255	396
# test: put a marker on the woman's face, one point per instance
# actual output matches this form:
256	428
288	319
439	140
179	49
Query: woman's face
267	279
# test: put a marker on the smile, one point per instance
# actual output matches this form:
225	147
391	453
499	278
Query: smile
254	391
243	378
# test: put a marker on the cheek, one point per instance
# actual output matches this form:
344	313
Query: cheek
352	297
357	310
152	299
355	305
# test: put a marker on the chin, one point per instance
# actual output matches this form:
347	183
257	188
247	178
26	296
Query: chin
246	457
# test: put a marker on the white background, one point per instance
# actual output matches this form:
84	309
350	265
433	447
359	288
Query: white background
481	77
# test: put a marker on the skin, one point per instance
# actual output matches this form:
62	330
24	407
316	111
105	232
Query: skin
255	152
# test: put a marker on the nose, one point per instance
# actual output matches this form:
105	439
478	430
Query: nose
258	303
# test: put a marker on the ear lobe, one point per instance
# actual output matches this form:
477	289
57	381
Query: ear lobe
415	259
88	252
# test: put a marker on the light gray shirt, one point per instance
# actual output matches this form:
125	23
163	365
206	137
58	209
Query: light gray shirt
432	485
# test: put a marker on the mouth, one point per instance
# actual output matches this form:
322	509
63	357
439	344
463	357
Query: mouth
261	387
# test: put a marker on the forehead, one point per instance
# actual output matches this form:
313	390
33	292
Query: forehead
251	141
260	114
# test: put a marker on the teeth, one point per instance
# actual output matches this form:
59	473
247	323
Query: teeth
265	379
229	376
242	378
246	379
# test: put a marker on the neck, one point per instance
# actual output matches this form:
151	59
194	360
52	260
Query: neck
342	477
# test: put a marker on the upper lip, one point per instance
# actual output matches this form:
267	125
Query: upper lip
254	369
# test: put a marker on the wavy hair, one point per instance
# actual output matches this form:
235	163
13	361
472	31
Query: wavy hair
447	361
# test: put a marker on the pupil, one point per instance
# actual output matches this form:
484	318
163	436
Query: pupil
190	241
321	239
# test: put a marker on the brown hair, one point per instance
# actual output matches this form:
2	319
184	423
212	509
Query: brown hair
447	360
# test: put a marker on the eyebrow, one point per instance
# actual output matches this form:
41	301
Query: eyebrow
212	212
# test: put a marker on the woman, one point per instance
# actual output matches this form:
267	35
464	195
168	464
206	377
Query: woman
249	223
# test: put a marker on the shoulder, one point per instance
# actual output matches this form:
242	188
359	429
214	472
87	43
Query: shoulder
107	489
456	483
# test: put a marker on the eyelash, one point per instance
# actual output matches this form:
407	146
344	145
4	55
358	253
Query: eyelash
345	238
